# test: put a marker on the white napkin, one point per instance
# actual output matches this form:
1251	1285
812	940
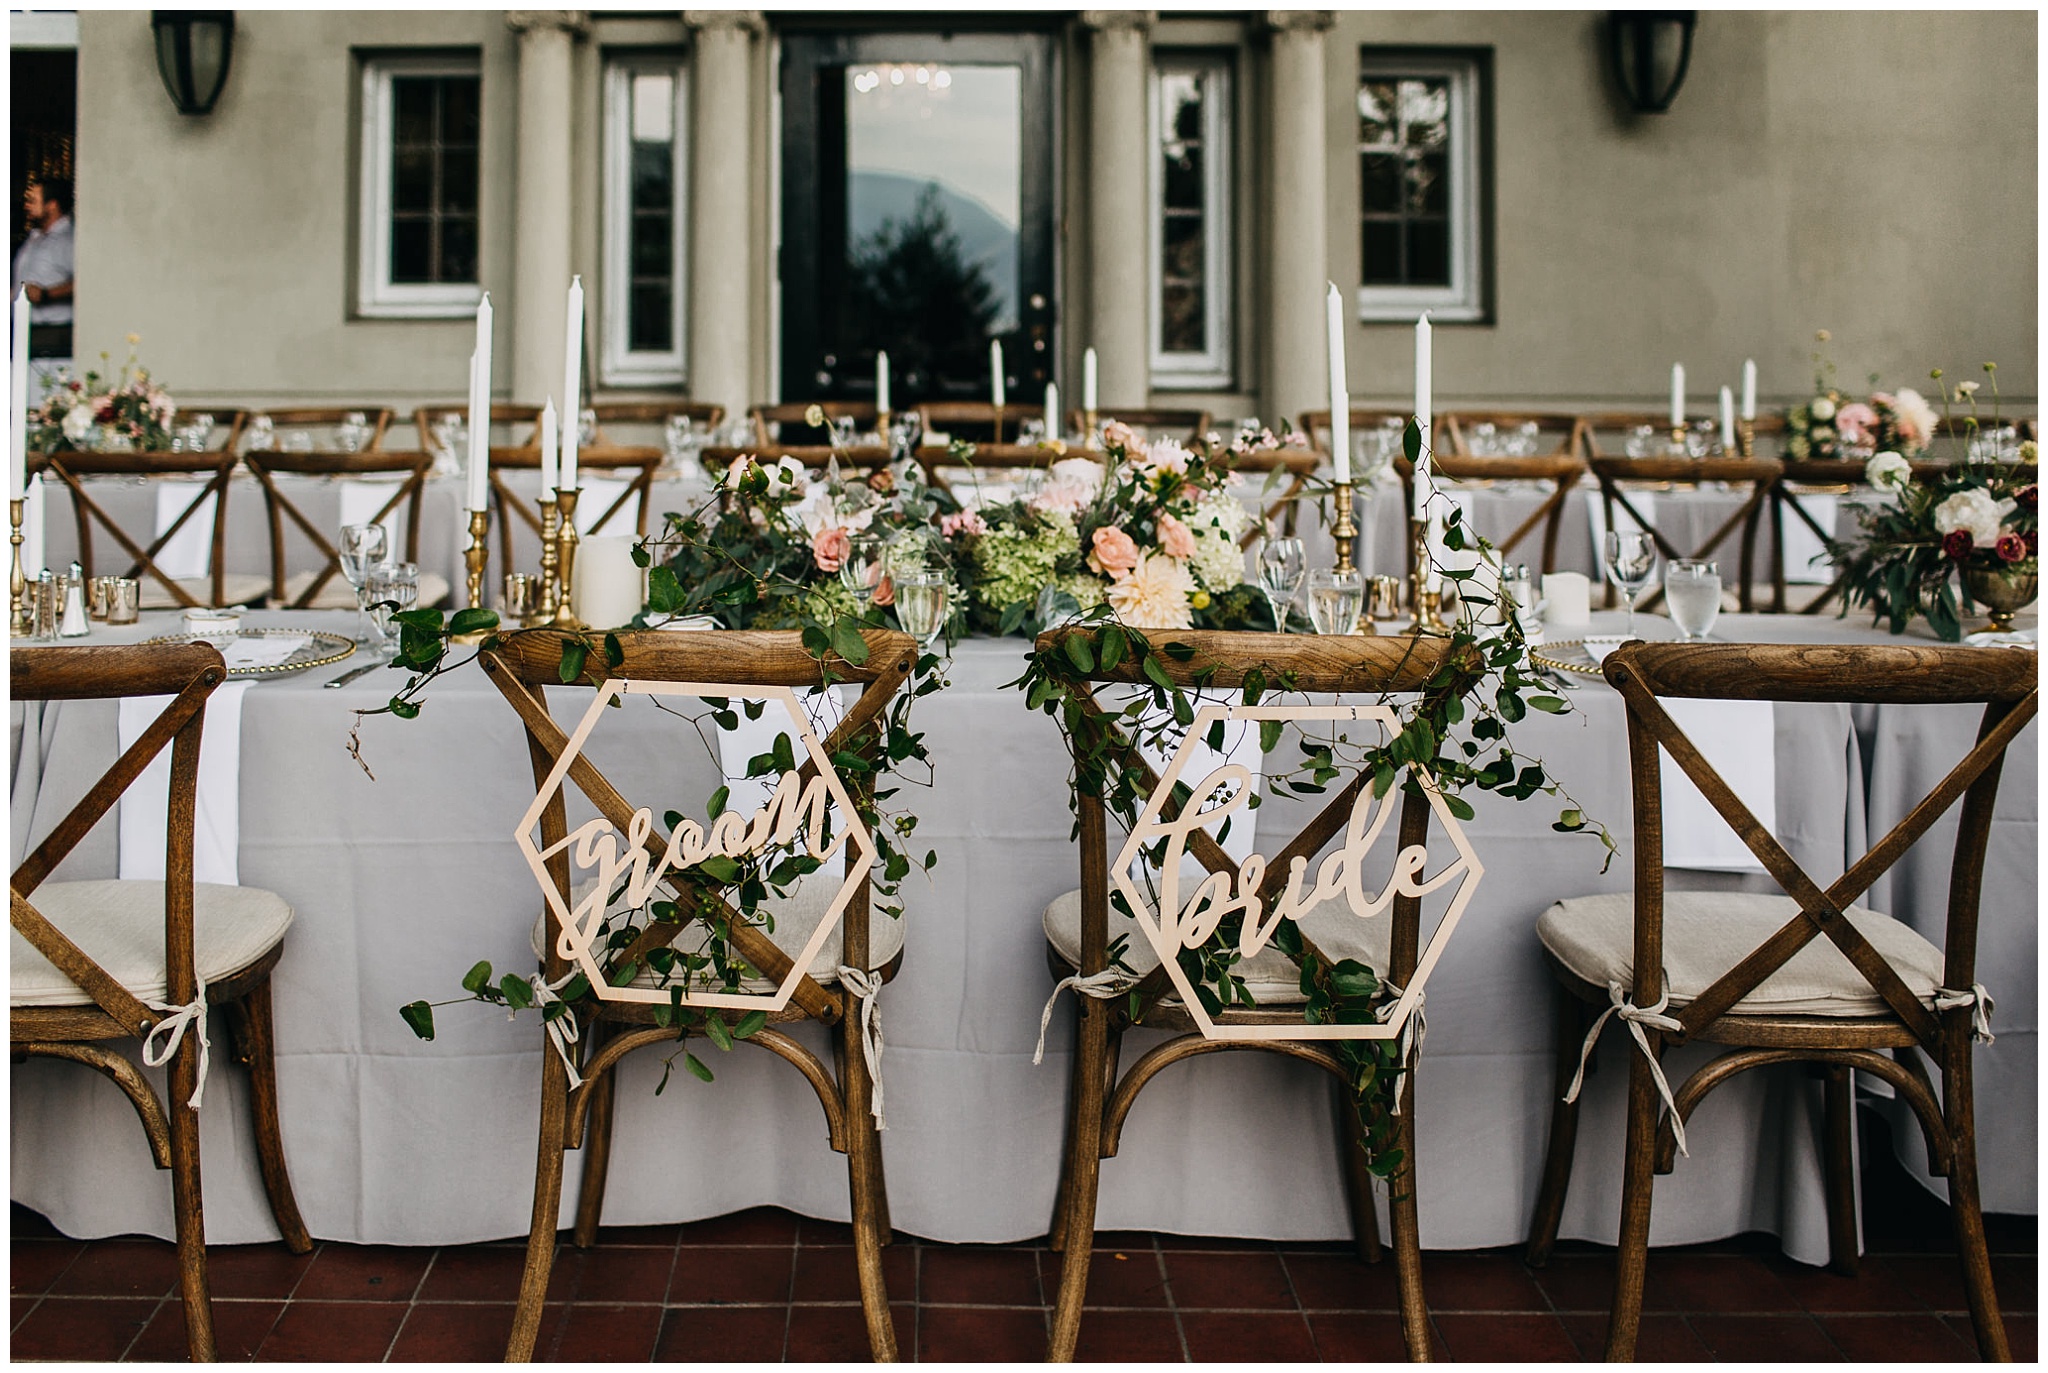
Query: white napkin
1739	741
145	806
190	552
1801	547
269	650
361	500
2019	638
598	495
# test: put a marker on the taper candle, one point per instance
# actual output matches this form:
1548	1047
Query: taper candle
882	381
1424	413
1340	396
548	471
1088	381
17	446
1749	389
480	408
1677	395
572	385
1052	411
995	372
1728	444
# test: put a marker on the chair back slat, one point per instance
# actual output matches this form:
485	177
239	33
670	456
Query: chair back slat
790	425
378	417
71	469
413	467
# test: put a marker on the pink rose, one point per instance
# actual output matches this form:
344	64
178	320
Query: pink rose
885	591
1115	553
962	522
1176	538
829	547
1855	422
1117	434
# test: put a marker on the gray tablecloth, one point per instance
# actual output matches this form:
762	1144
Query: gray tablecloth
402	882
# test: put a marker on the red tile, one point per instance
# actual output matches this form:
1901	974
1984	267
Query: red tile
594	1332
1874	1288
732	1276
481	1273
1232	1281
1339	1282
1476	1282
1500	1337
333	1332
828	1274
2016	1278
1764	1339
703	1334
1579	1283
22	1306
1889	1339
642	1236
34	1264
1128	1337
811	1230
1211	1244
1659	1339
239	1329
1708	1282
761	1225
978	1275
120	1268
840	1333
454	1332
80	1328
268	1271
956	1334
624	1276
2021	1335
1116	1277
363	1272
1268	1336
1353	1338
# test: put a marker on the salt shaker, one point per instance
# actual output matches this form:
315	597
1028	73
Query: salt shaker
76	624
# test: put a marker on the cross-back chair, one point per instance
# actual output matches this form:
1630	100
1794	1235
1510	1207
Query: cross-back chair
160	588
1187	425
1616	476
1803	977
95	962
656	413
324	588
635	466
978	421
1078	938
1316	423
947	472
523	421
579	1114
1561	465
378	417
784	422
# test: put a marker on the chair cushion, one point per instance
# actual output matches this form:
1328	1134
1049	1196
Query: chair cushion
337	594
796	920
1707	933
121	926
1270	976
237	588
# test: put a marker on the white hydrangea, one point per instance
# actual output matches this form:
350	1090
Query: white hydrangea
1888	471
1218	562
1975	512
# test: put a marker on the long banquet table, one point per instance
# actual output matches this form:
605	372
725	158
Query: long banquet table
401	882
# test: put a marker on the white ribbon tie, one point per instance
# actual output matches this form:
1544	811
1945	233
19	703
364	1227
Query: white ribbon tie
174	1026
1979	1001
1635	1017
563	1029
1412	1034
1108	983
866	987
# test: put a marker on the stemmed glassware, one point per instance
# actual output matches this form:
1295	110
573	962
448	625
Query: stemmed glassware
923	601
862	568
361	547
392	584
1282	564
1693	591
1631	558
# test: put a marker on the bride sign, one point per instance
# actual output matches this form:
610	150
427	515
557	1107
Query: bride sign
1183	919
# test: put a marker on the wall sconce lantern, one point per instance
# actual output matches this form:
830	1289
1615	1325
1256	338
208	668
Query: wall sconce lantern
192	52
1650	50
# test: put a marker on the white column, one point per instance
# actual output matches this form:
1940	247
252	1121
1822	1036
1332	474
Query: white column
1296	209
543	200
721	324
1119	275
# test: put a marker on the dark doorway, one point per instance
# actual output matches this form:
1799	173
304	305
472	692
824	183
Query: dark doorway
45	122
917	213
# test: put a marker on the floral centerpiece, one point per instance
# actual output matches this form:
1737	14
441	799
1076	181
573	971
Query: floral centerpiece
1836	425
126	406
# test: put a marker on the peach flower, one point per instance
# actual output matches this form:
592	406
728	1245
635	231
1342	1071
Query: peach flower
1115	553
1175	538
829	547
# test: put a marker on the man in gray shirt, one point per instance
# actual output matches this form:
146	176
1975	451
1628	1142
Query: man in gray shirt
42	265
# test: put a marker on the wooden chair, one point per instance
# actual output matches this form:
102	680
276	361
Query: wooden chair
324	588
160	589
1732	968
580	1116
790	428
330	417
1078	938
1561	466
978	421
1186	425
1615	473
100	961
636	465
656	413
522	420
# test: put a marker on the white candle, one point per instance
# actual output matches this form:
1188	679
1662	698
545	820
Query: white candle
32	530
17	458
1567	600
1424	413
882	381
1727	421
1749	389
480	409
547	450
609	590
995	371
572	385
1340	396
1052	410
1088	381
1677	395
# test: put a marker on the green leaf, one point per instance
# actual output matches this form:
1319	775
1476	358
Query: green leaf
1458	806
422	619
716	804
1078	652
716	1030
1411	440
518	992
1157	673
574	652
846	640
404	709
477	978
614	652
750	1024
696	1067
721	869
1216	733
1113	644
420	1016
1549	705
470	619
1013	616
1269	734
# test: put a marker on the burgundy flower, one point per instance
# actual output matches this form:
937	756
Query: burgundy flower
2030	539
2027	498
1957	544
2011	547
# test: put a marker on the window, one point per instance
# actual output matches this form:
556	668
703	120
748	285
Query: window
645	98
1421	208
1190	175
422	128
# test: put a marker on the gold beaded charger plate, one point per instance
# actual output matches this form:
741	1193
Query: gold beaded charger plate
320	649
1565	655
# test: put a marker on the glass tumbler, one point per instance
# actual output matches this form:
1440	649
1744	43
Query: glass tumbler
1335	599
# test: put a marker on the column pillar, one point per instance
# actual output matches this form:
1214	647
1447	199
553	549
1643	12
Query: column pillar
542	200
1296	209
1119	276
721	308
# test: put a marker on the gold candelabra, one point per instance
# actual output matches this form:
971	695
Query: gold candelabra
17	583
1092	439
1678	439
475	558
1746	436
543	611
1424	599
565	562
1345	531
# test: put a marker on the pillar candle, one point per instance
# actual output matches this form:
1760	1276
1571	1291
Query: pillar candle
572	385
882	381
548	473
17	449
1052	411
1424	412
1749	389
995	372
1728	444
1677	395
609	590
1567	600
1088	381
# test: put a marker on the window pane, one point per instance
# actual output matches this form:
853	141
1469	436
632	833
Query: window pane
458	249
1184	246
461	110
1425	113
458	181
1378	102
1429	185
1180	95
654	108
412	110
412	179
1382	265
434	177
1184	179
412	250
653	246
643	134
653	176
1379	183
1429	253
1406	193
651	321
1183	327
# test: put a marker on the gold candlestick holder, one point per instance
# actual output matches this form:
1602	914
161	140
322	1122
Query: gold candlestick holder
1745	434
475	558
1345	532
17	582
565	562
1678	448
1093	439
550	587
1424	599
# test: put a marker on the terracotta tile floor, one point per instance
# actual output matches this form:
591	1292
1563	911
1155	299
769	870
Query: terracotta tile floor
767	1285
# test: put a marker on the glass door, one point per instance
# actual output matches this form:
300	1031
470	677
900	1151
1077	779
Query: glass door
916	214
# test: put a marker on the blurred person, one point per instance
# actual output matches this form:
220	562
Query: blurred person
42	266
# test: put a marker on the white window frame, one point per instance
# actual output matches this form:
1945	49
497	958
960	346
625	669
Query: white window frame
377	296
618	364
1211	368
1464	300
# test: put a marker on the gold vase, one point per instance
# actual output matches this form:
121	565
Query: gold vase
2001	593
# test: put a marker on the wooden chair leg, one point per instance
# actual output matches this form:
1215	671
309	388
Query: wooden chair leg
1564	1133
863	1169
1964	1205
1106	1085
1632	1248
1084	1173
257	1032
1839	1114
1358	1179
1406	1227
188	1206
597	1157
547	1210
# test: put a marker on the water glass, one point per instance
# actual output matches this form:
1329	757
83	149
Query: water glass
586	428
1631	556
1693	590
922	604
361	547
353	431
1335	599
261	435
1282	564
393	587
1031	432
862	568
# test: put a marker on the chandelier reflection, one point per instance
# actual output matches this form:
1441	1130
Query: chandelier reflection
899	75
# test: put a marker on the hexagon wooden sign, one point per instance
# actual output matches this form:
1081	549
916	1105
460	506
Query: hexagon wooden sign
1190	924
794	812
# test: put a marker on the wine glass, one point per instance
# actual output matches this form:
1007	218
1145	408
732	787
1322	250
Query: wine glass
922	604
392	584
1336	597
1631	558
1282	564
362	546
1693	589
861	568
